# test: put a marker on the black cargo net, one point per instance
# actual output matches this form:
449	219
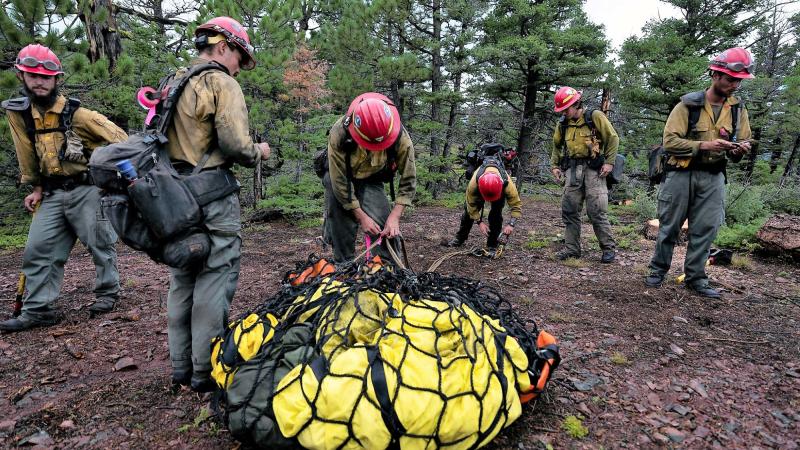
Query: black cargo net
377	357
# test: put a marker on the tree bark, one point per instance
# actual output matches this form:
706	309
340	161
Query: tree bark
525	140
102	37
788	169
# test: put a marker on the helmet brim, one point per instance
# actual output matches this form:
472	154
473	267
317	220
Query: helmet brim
40	70
386	143
739	75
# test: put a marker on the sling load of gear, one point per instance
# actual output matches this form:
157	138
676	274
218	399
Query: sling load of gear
370	356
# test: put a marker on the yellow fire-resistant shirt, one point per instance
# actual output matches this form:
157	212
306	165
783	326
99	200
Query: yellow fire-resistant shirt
579	138
365	163
211	112
93	129
475	201
684	149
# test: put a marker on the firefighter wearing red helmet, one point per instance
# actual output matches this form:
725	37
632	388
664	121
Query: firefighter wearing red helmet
703	131
366	147
210	129
584	148
489	184
53	137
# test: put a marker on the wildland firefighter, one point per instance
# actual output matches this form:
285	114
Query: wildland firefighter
584	150
54	137
705	130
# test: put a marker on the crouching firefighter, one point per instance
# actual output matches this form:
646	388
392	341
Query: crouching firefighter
490	183
365	149
54	137
584	150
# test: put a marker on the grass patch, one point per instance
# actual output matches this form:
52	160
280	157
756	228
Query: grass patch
202	416
14	232
559	318
311	222
574	427
619	359
742	262
740	236
295	200
534	244
575	263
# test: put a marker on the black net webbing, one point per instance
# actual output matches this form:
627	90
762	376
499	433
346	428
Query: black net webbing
375	357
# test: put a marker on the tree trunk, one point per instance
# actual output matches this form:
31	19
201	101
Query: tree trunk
528	161
788	169
258	184
605	104
102	36
777	152
751	158
436	87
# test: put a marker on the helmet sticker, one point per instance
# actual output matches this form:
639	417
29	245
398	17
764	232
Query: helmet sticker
357	120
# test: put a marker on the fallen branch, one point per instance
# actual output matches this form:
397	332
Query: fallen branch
737	341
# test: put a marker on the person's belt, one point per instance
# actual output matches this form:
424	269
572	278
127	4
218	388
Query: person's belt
66	183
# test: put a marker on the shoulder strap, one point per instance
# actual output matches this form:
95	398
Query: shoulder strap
22	105
587	117
497	164
735	120
172	90
68	112
562	123
694	117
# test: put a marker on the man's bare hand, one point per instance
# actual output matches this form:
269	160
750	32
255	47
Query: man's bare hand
557	174
265	150
717	145
605	170
33	199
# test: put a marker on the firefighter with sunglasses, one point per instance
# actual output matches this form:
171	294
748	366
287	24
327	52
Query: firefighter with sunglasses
696	159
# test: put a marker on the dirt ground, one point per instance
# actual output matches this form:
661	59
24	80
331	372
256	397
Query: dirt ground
642	368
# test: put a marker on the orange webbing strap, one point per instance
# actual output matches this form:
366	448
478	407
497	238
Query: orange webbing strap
547	361
319	268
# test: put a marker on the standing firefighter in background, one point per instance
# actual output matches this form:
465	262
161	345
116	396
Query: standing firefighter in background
490	183
365	149
584	148
702	132
210	129
54	137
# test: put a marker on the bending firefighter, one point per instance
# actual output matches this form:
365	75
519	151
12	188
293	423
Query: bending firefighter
584	148
210	129
703	131
490	183
365	149
54	137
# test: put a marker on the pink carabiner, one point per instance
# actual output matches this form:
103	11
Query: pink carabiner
145	101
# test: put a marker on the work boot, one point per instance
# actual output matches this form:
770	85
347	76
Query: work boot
608	256
455	242
566	254
704	291
22	323
202	382
181	377
654	280
102	305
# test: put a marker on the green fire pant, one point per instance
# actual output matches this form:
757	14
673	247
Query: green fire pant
341	226
199	301
582	184
63	217
700	197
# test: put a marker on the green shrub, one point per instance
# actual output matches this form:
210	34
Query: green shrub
744	203
296	200
739	236
783	198
574	427
645	205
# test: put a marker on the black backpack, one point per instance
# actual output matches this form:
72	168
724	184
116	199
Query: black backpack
657	159
160	212
475	158
493	161
23	106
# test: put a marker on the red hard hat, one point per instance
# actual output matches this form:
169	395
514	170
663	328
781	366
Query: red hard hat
490	185
736	62
373	121
565	97
234	33
35	58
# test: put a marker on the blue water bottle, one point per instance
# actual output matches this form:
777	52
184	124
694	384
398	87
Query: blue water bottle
127	170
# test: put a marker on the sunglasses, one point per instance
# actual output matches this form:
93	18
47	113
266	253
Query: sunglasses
735	66
30	61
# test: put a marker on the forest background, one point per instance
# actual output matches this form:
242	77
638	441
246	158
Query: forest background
462	73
